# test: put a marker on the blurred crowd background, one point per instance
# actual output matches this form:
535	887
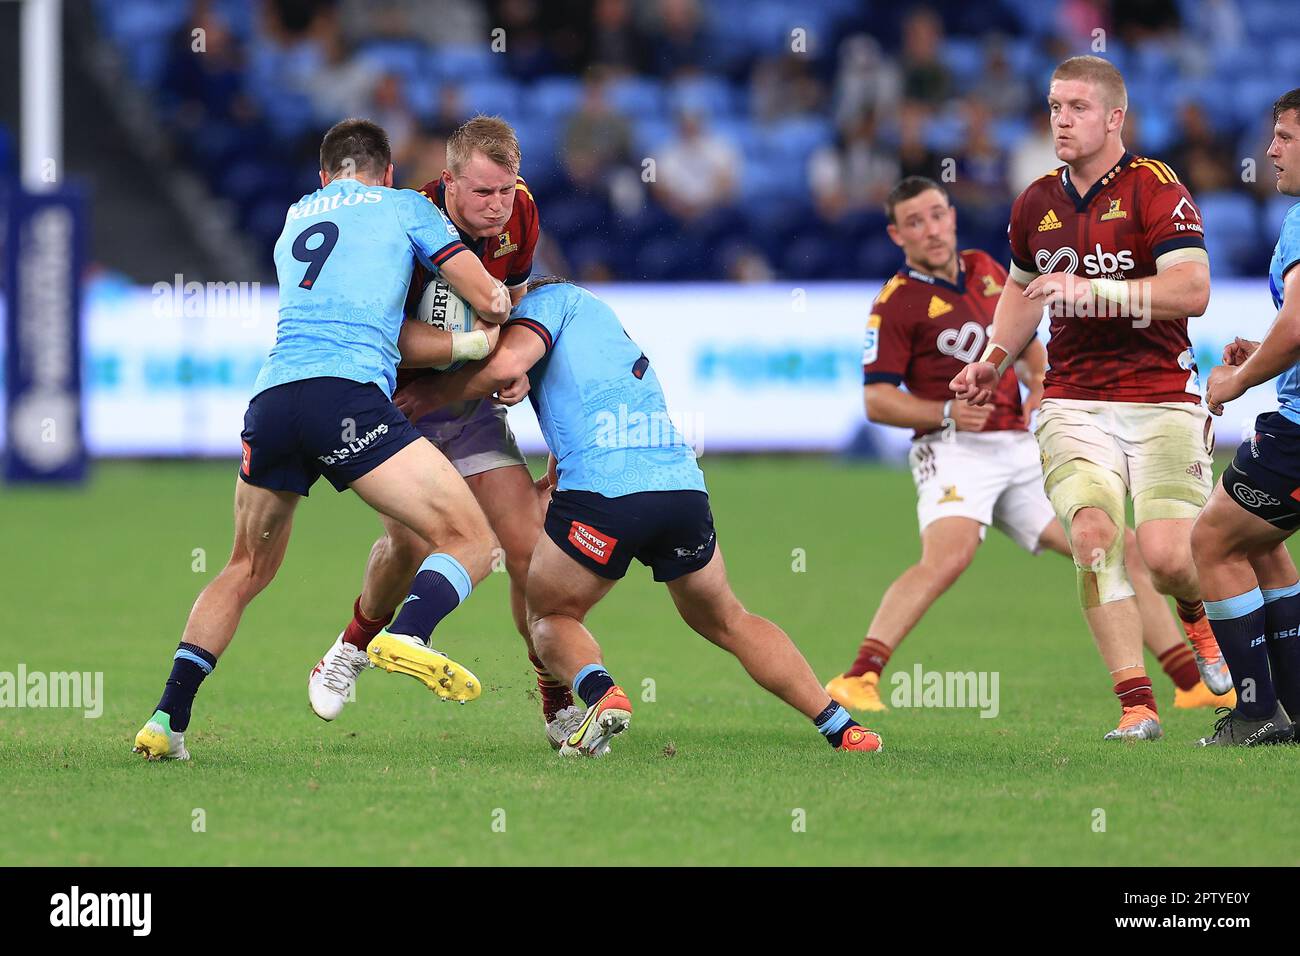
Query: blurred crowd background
693	140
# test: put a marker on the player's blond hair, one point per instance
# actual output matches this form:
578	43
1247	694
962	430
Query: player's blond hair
1100	73
490	135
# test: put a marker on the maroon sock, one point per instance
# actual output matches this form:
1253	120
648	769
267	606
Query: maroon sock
555	695
1189	612
872	658
361	628
1180	664
1135	691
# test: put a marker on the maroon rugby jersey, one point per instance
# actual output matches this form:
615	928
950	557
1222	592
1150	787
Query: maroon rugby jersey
1128	219
507	256
923	330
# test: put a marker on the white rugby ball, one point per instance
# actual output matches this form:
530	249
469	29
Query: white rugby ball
441	307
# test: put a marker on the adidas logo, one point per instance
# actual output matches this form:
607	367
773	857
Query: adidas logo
1049	222
938	307
1194	469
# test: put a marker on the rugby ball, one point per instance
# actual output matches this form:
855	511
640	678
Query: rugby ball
441	307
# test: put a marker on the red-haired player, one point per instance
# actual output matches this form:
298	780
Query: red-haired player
1113	244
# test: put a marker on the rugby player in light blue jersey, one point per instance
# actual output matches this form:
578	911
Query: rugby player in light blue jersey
626	486
1249	582
322	406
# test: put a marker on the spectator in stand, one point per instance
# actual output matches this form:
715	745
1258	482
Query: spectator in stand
981	183
854	174
925	78
597	138
613	42
785	86
915	158
1196	132
345	84
867	81
698	172
1005	93
389	109
682	42
526	36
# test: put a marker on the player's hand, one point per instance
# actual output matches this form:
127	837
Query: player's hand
970	418
1032	401
1223	387
420	397
546	484
493	333
515	392
1238	350
1062	292
976	383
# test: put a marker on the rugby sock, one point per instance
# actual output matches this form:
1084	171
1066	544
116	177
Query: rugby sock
1135	691
1180	664
1282	627
190	665
872	657
832	722
555	696
591	683
440	585
1189	612
361	628
1238	624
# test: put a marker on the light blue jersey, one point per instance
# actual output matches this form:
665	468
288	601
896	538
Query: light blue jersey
599	401
344	264
1286	254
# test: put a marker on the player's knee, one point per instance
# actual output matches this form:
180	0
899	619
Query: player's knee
1170	564
1207	540
947	567
1092	535
250	573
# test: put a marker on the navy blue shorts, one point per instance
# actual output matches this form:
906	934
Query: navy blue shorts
1264	477
671	532
296	432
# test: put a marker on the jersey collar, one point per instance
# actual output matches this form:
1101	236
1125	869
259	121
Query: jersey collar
1082	202
958	287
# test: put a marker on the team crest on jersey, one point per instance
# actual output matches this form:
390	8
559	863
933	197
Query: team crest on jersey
950	495
991	287
506	245
1049	222
1115	212
938	307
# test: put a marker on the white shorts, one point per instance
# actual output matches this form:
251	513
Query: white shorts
475	436
1159	450
991	477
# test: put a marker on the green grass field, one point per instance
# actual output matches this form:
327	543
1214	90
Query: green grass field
711	772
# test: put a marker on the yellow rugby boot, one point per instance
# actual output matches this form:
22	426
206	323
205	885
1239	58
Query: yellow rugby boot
402	654
857	693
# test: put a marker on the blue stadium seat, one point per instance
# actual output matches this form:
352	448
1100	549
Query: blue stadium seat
636	98
1231	230
405	58
555	97
494	97
463	63
706	94
964	56
1274	212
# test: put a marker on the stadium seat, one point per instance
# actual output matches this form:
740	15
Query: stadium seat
1231	230
555	97
707	94
462	63
405	58
636	98
499	97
